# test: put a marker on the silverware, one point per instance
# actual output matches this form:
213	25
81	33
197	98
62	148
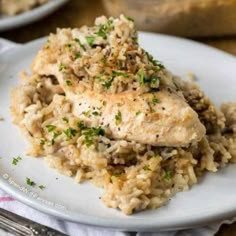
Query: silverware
21	226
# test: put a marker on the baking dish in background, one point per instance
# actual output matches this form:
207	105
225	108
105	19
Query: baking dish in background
190	18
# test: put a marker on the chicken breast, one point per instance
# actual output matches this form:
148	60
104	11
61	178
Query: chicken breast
160	118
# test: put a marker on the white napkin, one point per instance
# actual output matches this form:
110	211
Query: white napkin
73	229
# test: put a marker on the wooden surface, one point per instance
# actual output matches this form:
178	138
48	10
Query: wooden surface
79	12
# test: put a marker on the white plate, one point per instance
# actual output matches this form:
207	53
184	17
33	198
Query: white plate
10	22
214	198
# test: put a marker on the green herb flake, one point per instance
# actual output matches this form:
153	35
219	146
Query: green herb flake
30	182
107	84
141	76
61	67
90	133
90	40
50	128
55	135
68	83
137	113
155	100
119	73
69	45
147	167
118	118
42	141
81	45
65	119
129	18
153	79
81	125
117	174
103	29
119	64
168	175
15	160
156	156
104	60
160	65
95	113
70	133
108	26
86	113
101	32
77	56
42	187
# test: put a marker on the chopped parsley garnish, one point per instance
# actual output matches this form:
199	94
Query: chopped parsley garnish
50	128
61	67
117	174
86	113
143	80
101	32
95	113
104	60
42	141
129	18
90	40
81	125
118	118
94	131
70	133
119	64
15	160
156	156
81	45
147	167
141	76
155	100
68	45
153	79
55	135
68	83
168	175
77	56
42	187
107	84
137	113
161	66
153	61
30	182
103	29
104	103
65	119
90	132
119	73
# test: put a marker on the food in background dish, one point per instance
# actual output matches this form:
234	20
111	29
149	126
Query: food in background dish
13	7
99	107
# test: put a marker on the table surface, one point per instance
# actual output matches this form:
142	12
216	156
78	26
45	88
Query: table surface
77	13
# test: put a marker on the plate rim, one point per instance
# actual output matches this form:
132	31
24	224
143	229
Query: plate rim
120	224
30	16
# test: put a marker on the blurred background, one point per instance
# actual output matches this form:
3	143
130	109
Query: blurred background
212	22
209	21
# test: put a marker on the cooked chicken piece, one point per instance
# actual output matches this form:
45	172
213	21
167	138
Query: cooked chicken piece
162	118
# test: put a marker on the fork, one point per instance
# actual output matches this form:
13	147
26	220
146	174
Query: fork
22	226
